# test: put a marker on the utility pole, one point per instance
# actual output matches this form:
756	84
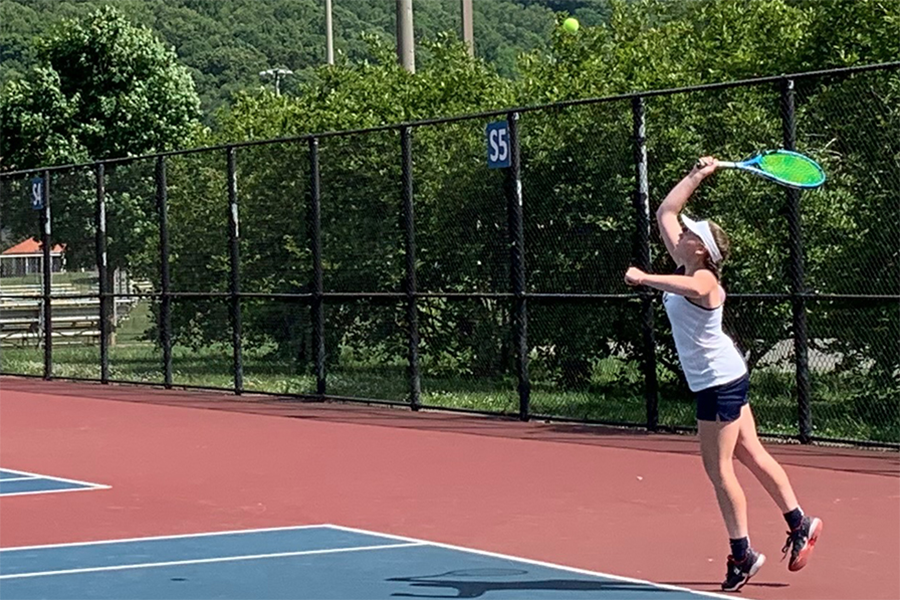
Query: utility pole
406	50
329	34
468	33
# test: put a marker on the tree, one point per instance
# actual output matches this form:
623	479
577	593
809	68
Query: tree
135	97
35	123
104	88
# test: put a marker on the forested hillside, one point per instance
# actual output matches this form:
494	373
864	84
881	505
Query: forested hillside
225	43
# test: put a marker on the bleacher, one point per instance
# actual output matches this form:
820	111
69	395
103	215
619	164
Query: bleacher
74	320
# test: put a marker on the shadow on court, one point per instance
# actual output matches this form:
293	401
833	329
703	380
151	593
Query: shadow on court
716	584
475	589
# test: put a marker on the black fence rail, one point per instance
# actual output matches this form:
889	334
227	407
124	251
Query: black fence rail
393	265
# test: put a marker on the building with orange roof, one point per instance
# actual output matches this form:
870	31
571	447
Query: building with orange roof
27	258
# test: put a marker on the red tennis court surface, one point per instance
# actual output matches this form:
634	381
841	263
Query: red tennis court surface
620	502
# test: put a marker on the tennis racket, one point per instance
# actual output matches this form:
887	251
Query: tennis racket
784	167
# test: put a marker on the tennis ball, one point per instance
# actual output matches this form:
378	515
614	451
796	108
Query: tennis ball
571	24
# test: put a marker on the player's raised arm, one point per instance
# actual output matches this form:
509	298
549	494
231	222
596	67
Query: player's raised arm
667	213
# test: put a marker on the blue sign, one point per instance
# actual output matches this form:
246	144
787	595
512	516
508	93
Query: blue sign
37	193
498	145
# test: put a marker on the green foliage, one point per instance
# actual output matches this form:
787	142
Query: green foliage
656	44
36	123
104	88
111	87
849	32
577	177
368	94
569	166
225	43
132	96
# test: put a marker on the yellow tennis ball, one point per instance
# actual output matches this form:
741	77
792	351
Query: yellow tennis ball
571	24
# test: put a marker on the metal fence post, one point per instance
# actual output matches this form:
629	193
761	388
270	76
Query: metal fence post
318	287
798	285
102	272
165	308
409	284
234	236
643	259
517	264
47	271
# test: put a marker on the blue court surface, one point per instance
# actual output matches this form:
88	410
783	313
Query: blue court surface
323	561
17	483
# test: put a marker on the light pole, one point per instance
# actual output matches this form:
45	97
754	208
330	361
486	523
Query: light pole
406	49
467	31
278	75
329	34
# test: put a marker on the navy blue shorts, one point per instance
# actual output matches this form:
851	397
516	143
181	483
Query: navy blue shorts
723	401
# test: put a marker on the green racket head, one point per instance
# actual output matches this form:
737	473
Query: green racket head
792	168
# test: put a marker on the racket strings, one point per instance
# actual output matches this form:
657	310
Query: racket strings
792	168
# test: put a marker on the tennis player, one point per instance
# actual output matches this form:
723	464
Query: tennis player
717	374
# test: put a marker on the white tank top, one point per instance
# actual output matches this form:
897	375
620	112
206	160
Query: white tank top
708	356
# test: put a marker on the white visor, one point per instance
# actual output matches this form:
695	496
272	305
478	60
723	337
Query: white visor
703	231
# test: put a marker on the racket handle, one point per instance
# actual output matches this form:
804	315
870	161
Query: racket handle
728	165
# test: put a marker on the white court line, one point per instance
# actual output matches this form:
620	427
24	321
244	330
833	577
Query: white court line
411	541
28	478
41	476
539	563
171	537
200	561
58	491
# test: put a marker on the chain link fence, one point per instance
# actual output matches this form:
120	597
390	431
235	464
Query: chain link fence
393	265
